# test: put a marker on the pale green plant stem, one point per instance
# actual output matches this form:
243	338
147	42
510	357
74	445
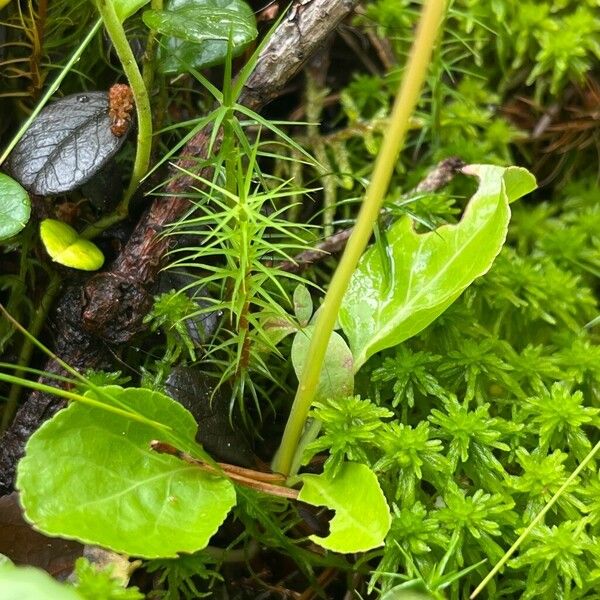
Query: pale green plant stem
49	389
404	105
582	465
52	89
118	38
37	322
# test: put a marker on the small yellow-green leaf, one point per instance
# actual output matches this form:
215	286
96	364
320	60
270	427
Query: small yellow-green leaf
362	517
65	247
83	254
56	236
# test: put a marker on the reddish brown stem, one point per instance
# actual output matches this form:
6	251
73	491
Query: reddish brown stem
246	477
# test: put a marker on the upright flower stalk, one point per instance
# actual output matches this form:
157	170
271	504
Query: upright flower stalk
404	105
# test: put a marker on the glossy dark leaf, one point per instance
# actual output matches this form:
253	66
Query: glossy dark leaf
68	143
197	32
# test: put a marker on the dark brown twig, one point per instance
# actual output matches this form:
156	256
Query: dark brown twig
255	480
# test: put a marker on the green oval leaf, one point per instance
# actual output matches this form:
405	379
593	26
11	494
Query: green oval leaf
90	475
15	207
65	247
197	32
362	516
430	270
336	379
198	22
